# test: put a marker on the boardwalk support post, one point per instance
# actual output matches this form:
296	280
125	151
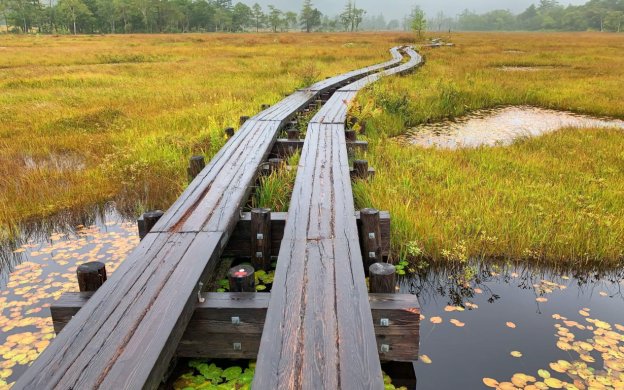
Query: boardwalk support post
350	135
382	279
196	165
229	132
360	169
370	236
261	239
242	278
243	119
293	134
147	221
91	276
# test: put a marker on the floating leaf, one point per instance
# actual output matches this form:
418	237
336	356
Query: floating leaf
543	373
489	382
425	359
436	320
516	354
232	373
541	299
457	323
511	325
554	383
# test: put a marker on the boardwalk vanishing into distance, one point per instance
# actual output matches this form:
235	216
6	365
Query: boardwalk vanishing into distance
318	327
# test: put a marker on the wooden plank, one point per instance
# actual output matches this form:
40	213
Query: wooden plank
239	243
211	333
317	322
285	147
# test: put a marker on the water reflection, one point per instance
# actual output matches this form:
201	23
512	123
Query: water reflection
39	267
511	325
65	224
500	126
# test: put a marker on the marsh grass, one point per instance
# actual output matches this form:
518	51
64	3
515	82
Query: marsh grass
275	190
556	198
134	108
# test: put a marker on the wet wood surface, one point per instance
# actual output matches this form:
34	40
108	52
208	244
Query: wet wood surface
224	319
319	330
125	335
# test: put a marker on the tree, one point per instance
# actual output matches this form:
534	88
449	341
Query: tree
106	13
242	16
291	19
74	10
418	21
4	9
310	17
275	18
258	16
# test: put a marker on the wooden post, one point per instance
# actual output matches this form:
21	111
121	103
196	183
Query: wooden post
261	239
243	119
350	135
382	278
293	134
91	276
360	169
229	132
242	278
362	127
265	107
147	221
196	165
319	104
274	164
370	236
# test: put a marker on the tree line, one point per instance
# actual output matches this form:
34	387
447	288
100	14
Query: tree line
548	15
172	16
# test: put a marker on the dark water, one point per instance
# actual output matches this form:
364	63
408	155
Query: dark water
534	300
40	266
519	308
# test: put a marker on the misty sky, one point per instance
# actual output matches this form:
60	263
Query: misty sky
397	8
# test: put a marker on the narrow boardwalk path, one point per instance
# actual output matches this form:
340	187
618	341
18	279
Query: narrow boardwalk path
127	333
318	332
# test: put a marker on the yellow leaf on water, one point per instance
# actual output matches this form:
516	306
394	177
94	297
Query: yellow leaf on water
489	382
554	383
511	325
425	359
583	313
541	299
516	354
543	373
436	320
457	323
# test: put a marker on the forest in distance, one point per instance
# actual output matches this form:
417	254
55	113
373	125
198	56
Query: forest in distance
184	16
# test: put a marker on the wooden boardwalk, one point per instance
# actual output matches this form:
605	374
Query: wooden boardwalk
319	330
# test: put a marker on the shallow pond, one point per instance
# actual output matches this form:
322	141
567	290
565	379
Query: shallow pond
478	322
500	126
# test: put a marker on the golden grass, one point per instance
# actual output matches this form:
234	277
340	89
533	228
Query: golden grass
128	111
558	198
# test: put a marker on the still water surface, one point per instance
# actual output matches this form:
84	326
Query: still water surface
474	317
500	126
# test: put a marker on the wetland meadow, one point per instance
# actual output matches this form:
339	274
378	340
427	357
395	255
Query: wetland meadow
514	244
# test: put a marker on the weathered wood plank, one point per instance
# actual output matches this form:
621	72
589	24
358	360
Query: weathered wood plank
239	243
211	332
